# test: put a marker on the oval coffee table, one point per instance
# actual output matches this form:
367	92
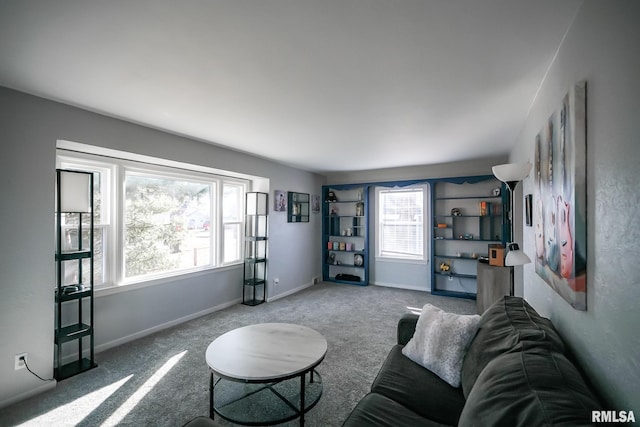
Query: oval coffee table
258	368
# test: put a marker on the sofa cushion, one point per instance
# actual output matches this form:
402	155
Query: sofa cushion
406	328
530	386
376	410
506	323
440	342
418	389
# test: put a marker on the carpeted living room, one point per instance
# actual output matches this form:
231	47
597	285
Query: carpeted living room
332	213
118	392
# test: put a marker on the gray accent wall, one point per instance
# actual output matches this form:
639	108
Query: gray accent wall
602	47
29	129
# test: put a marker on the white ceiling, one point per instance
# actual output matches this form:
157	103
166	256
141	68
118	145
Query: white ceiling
324	85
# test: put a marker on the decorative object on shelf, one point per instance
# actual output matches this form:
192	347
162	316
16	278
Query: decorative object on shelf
495	192
445	267
496	254
348	277
74	226
359	209
255	247
358	260
280	201
511	174
331	196
332	258
559	214
456	212
483	208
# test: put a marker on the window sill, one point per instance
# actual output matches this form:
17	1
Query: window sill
402	260
116	289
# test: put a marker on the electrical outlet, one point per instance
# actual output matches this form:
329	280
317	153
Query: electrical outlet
450	278
276	282
20	362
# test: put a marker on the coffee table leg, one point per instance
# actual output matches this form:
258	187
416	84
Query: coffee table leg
302	399
211	412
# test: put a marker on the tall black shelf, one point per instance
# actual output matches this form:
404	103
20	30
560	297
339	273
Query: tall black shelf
255	248
345	234
74	292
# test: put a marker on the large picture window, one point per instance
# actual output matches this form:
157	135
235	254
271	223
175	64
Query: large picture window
166	224
154	221
401	223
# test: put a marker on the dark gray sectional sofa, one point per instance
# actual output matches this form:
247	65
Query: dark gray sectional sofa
515	373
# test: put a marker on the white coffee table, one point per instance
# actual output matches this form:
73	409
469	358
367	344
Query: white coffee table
258	366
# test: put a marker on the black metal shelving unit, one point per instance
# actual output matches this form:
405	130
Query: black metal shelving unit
255	247
74	291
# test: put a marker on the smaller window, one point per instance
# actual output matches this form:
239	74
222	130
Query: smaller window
401	223
232	220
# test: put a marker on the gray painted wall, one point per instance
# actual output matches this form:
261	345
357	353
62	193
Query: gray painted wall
29	128
602	48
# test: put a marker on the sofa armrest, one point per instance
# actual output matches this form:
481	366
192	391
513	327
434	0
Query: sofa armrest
406	327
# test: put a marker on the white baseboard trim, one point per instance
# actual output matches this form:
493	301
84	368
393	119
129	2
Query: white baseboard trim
149	331
30	393
407	287
289	292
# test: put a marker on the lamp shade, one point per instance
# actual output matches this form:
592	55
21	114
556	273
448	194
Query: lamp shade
75	189
516	256
512	172
257	203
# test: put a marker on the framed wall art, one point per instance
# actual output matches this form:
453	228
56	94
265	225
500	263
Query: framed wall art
315	203
560	199
279	201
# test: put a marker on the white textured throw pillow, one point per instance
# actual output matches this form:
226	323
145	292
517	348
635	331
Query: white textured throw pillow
440	342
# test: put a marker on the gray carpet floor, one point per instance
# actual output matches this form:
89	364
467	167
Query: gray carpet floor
163	379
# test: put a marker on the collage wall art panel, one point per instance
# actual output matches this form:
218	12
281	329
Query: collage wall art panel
560	199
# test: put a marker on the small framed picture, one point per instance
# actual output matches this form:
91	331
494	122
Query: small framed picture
280	201
315	203
528	210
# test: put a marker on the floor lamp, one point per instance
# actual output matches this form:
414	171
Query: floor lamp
511	174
